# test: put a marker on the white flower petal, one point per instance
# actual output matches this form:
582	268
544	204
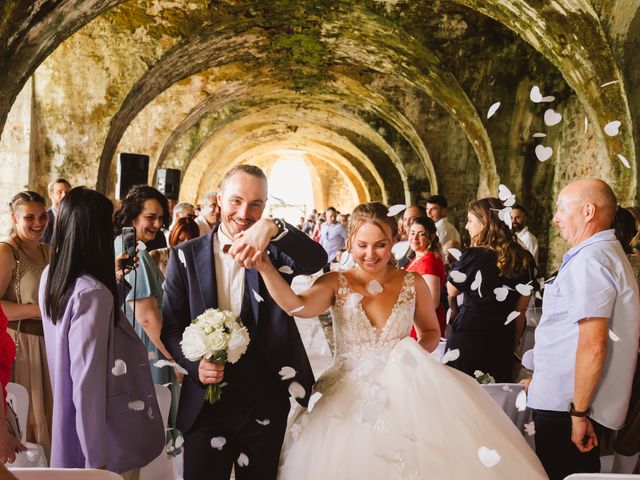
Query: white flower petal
612	128
182	258
521	401
551	117
507	388
455	253
510	202
543	153
612	82
141	246
257	296
524	289
179	441
354	299
539	295
624	161
477	283
296	310
218	442
150	413
136	405
287	373
296	390
395	210
505	216
458	277
448	316
586	124
503	192
286	269
493	109
31	456
511	317
535	95
613	336
119	367
539	135
313	399
501	293
264	422
152	355
488	457
450	355
530	428
374	287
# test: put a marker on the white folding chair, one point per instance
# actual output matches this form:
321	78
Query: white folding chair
63	474
18	398
527	360
602	476
161	468
505	395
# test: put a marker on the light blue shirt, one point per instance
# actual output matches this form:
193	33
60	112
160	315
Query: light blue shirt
332	238
595	280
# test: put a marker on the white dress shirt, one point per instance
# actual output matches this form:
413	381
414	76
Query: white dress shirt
446	232
595	280
529	241
203	225
229	276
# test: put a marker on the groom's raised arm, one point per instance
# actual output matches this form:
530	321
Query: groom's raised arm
176	314
306	255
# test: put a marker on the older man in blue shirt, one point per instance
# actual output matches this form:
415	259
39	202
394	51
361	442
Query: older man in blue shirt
333	235
587	339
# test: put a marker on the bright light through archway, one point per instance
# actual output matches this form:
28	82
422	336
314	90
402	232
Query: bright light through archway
290	189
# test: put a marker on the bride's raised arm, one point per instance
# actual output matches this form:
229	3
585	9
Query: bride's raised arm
308	304
424	318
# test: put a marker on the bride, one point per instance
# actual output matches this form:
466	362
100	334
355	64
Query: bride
387	409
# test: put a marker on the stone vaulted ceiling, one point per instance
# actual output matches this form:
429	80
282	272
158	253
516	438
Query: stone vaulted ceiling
389	95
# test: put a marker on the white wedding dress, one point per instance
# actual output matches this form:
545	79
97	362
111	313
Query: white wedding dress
389	410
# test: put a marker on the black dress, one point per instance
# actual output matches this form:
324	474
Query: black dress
479	331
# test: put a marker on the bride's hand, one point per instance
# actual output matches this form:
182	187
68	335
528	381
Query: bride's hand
262	262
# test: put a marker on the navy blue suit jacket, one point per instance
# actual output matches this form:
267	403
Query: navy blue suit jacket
275	341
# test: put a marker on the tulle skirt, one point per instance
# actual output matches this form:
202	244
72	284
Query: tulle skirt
404	417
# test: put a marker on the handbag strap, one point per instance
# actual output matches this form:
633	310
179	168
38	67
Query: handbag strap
18	277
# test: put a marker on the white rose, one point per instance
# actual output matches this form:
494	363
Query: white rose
194	343
237	344
217	341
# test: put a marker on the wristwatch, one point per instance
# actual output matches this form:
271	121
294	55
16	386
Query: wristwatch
282	229
575	413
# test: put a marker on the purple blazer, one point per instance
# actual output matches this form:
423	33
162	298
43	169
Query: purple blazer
101	415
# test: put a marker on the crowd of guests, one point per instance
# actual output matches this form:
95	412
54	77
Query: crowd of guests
67	263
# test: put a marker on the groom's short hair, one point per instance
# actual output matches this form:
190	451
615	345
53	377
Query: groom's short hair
244	168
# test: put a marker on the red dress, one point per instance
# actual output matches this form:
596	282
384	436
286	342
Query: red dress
7	354
430	264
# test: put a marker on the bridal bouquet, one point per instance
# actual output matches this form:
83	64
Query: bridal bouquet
215	335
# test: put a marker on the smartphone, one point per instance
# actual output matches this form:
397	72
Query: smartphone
129	245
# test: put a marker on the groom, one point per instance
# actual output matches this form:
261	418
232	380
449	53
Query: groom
246	427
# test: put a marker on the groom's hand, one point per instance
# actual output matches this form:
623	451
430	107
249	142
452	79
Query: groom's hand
210	372
250	244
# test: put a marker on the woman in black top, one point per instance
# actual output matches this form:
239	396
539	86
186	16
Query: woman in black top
496	276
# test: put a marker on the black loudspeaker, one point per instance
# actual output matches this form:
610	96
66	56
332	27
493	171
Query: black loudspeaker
132	169
168	182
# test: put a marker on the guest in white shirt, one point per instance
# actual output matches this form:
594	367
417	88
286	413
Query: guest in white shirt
519	226
447	234
587	339
209	216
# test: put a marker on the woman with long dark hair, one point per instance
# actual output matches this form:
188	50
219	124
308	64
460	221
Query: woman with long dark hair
147	210
104	398
487	328
424	243
22	259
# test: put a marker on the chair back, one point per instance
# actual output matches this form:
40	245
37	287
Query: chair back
505	395
163	394
18	398
63	474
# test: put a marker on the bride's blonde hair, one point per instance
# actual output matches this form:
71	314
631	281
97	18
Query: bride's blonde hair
372	212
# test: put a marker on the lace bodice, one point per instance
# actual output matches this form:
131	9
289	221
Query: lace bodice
354	334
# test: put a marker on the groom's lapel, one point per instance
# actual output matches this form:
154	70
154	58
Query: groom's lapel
252	285
206	271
